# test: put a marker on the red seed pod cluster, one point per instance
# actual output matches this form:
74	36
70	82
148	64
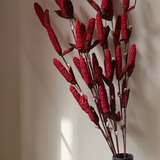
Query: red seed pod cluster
79	36
131	59
53	39
100	81
99	28
85	72
103	99
89	110
124	29
75	93
40	13
76	61
124	85
109	69
118	61
90	29
93	115
60	4
117	30
105	6
95	63
63	71
126	4
84	103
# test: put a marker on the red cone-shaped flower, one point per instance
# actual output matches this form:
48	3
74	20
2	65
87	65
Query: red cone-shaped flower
75	93
63	71
131	59
60	4
124	30
79	36
90	29
99	27
103	99
95	63
126	4
77	63
85	72
53	39
109	69
117	30
118	61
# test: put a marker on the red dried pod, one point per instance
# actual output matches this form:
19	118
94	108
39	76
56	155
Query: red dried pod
99	28
103	99
92	115
117	30
83	103
79	36
124	29
131	59
95	63
75	93
126	5
40	13
100	81
53	39
60	4
85	72
105	6
77	63
118	61
90	29
63	71
109	69
83	28
112	97
124	85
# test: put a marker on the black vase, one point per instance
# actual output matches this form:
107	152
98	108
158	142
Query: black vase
128	157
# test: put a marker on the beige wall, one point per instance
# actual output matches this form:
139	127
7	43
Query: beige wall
39	119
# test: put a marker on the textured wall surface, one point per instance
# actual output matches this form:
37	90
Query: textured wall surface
39	118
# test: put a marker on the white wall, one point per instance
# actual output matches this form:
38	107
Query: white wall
39	118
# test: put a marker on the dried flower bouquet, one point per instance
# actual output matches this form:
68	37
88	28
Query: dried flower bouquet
105	113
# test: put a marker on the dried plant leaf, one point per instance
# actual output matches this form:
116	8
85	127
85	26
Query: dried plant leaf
73	45
95	6
68	7
61	14
93	45
46	17
105	79
131	8
106	33
72	74
67	51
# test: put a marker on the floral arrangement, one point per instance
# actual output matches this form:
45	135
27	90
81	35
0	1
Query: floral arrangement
105	114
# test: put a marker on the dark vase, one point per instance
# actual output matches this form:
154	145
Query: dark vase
128	157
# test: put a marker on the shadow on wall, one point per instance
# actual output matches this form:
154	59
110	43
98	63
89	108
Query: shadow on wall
9	82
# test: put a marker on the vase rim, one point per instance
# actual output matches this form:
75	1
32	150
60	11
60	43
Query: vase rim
128	157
